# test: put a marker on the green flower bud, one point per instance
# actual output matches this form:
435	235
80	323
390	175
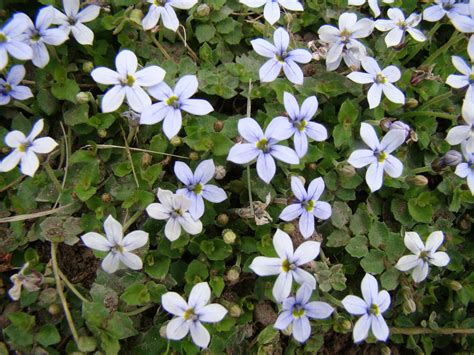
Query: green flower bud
146	160
229	236
417	180
203	10
54	309
220	172
411	103
176	141
222	220
235	311
288	330
87	67
83	97
218	126
346	324
194	156
288	228
233	275
102	133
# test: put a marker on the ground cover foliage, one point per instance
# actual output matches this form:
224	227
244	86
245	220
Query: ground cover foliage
108	164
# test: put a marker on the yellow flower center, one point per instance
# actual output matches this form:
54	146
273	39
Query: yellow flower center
309	206
172	101
22	148
298	312
471	77
3	38
189	314
197	189
301	125
262	144
374	309
118	248
286	266
381	79
381	157
130	80
345	35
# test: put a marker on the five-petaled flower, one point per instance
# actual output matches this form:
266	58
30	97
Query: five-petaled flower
280	58
10	88
297	311
39	35
196	186
464	134
31	281
373	4
271	11
344	41
378	157
423	255
12	40
466	169
127	82
263	146
467	76
172	102
118	246
381	81
398	26
371	308
175	210
164	9
300	122
72	20
457	12
287	264
26	148
307	206
189	315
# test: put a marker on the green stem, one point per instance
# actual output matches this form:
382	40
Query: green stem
249	111
132	220
420	330
444	115
111	146
420	46
424	169
23	107
455	38
139	310
72	287
59	288
332	299
52	176
435	99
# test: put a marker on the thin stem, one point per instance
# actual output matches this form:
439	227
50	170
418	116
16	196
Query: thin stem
23	107
420	330
332	299
455	38
424	169
23	217
139	310
132	220
183	38
52	176
13	183
249	110
59	288
159	46
85	86
111	146
72	287
436	99
66	167
420	45
129	155
444	115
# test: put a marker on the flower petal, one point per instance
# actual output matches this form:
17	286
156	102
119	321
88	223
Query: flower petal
306	224
284	154
379	328
264	266
263	47
322	210
186	87
361	328
266	167
301	329
177	328
439	259
279	129
149	76
29	163
393	93
96	241
413	242
291	212
393	167
131	260
284	320
374	176
383	301
250	130
172	123
174	303
293	72
199	296
374	95
190	225
212	313
111	263
243	153
199	334
43	145
172	229
269	71
362	157
370	289
318	310
434	241
113	99
282	287
135	240
213	193
354	305
196	107
204	171
408	262
271	12
420	272
183	173
306	252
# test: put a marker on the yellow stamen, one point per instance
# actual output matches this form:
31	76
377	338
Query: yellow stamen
3	38
170	101
285	265
309	206
298	312
262	144
189	314
197	189
374	309
381	79
382	156
130	80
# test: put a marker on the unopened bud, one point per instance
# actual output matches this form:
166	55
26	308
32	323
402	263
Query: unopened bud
385	350
86	344
235	311
87	67
455	285
163	331
203	10
229	236
346	170
233	275
146	160
54	309
449	109
438	164
102	133
452	158
222	219
288	18
401	126
411	103
176	141
417	180
346	324
288	330
385	124
136	16
83	97
288	228
409	306
218	126
220	172
106	197
312	166
194	156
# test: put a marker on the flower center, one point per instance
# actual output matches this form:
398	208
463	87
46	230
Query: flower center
172	101
281	57
118	248
178	212
381	157
190	315
22	148
402	25
345	36
298	311
287	266
197	189
35	37
424	255
380	79
262	144
130	80
300	125
309	206
6	88
3	38
71	20
159	2
374	309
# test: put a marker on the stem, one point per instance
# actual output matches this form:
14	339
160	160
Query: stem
59	288
424	169
420	330
444	115
249	110
24	217
332	299
72	287
13	183
138	310
52	176
110	146
132	220
86	86
23	107
455	38
160	47
436	99
183	38
66	167
129	155
422	44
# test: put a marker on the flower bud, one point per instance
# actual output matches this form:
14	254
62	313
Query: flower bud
312	166
346	324
146	160
106	198
136	16
288	228
235	311
288	18
220	172
385	350
455	285
203	10
345	170
288	330
176	141
233	274
409	306
438	164
86	344
222	219
194	156
54	309
83	97
411	103
452	158
102	133
87	67
229	236
449	109
218	126
385	124
417	180
401	126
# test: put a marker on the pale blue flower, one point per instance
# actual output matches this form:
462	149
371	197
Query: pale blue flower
307	206
280	58
197	187
12	39
456	11
466	169
172	103
271	11
463	80
287	265
189	315
378	157
297	311
263	146
371	308
10	88
164	9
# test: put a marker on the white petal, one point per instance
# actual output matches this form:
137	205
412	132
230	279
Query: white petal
434	241
174	303
196	107
158	211
172	229
183	4
15	138
306	224
263	47
298	189
439	259
394	37
88	13
177	328
266	167
457	81
279	129
283	245
29	163
408	262
151	19
413	242
306	252
284	154
105	76
361	77
281	39
393	93
149	76
293	72
19	50
374	95
361	158
264	266
199	296
243	153
379	328
392	140
301	143
131	260
282	286
420	272
71	7
126	62
322	210
82	34
137	98
299	56
292	5
383	301
96	241
318	310
111	263
186	87
250	130
212	313
291	212
309	108
190	225
155	113
199	334
393	167
416	34
385	25
113	99
213	193
10	161
183	173
370	66
172	123
368	135
43	145
170	20
113	230
284	320
303	277
374	176
253	3
370	289
392	73
361	328
328	34
270	70
135	240
458	134
301	329
316	188
354	305
271	12
461	65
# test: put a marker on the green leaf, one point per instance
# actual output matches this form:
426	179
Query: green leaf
378	234
197	272
420	213
373	262
217	285
357	246
156	265
65	90
77	115
267	335
48	335
205	32
341	214
338	238
136	295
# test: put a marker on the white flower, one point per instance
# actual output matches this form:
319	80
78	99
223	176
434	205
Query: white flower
297	311
466	169
12	40
464	133
343	41
373	4
73	20
172	102
467	74
127	82
381	81
370	308
378	157
398	26
10	88
457	12
164	9
423	255
174	209
39	35
287	265
271	11
189	315
30	281
26	148
119	248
